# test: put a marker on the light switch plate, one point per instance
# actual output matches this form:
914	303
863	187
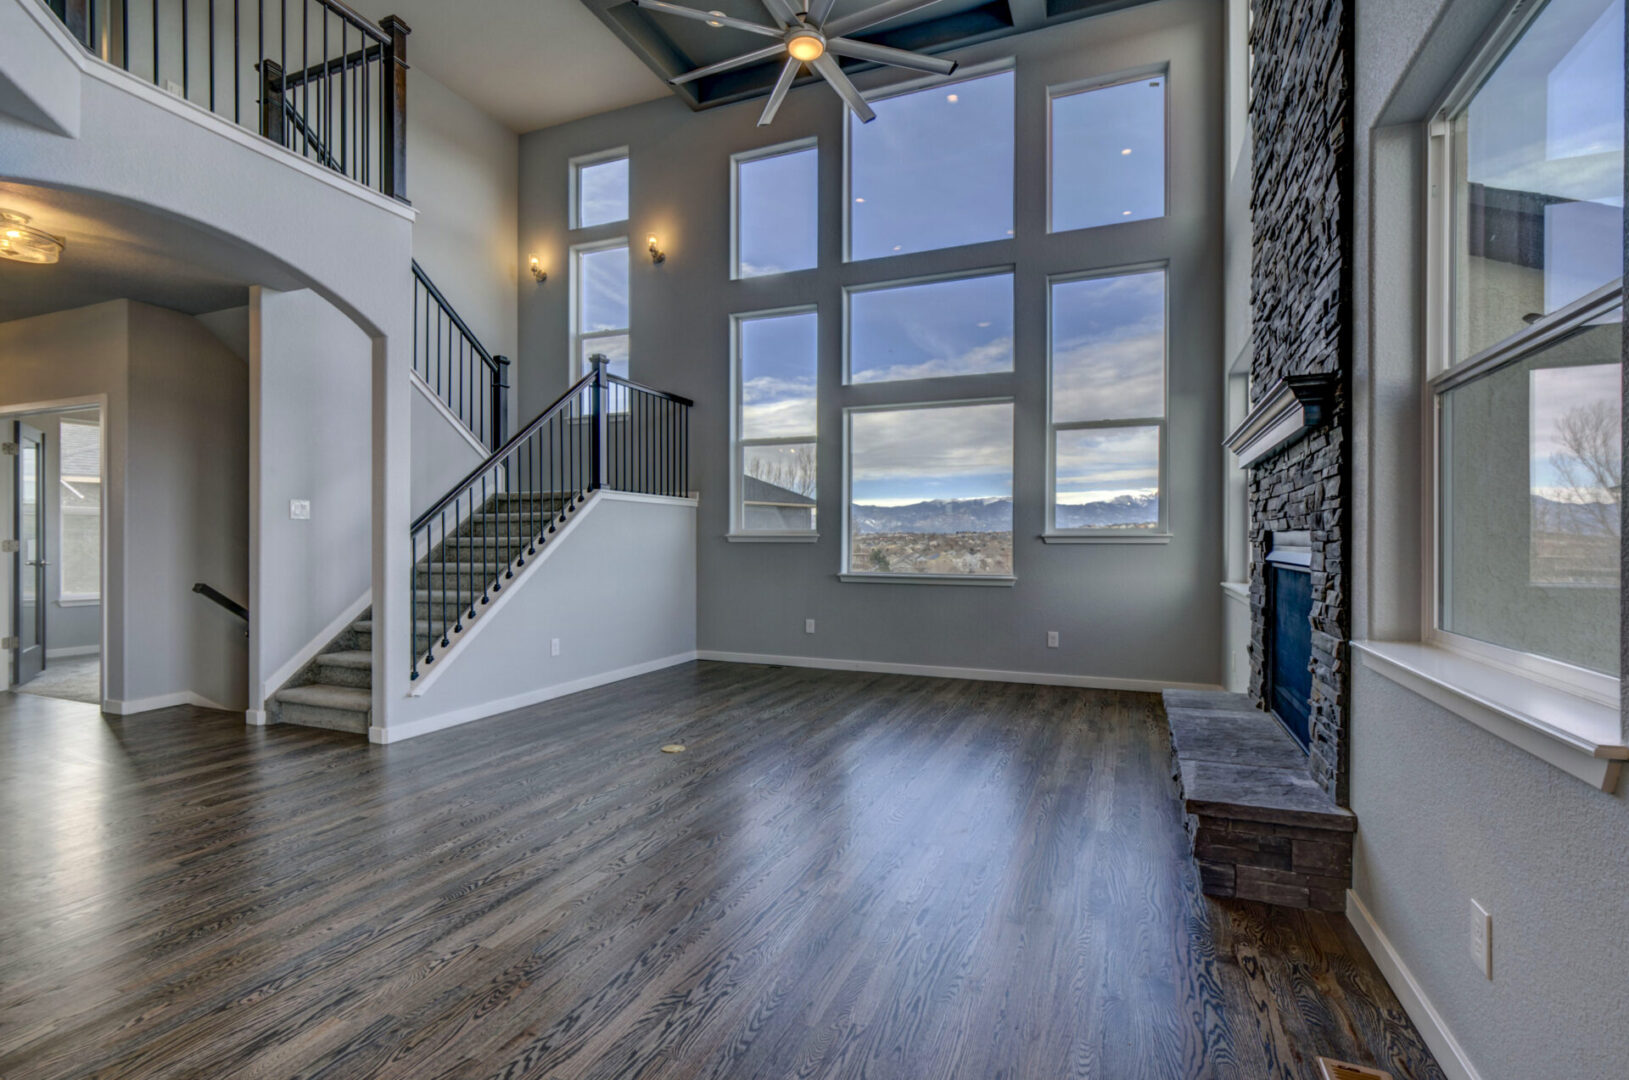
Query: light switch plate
299	509
808	626
1052	639
1482	939
554	646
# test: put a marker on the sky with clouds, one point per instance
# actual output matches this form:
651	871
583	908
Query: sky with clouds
780	213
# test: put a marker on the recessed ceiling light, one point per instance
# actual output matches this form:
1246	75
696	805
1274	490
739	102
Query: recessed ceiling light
899	247
984	324
1126	151
859	198
952	98
1125	213
21	242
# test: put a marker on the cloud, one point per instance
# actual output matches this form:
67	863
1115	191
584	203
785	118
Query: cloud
1104	461
980	359
932	443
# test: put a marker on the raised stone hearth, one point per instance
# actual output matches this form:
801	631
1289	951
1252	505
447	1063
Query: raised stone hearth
1262	828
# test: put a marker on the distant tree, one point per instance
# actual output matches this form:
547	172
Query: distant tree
1593	460
879	560
793	470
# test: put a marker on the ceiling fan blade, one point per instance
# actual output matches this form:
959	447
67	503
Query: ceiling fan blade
783	86
753	57
708	17
827	66
871	16
882	54
781	11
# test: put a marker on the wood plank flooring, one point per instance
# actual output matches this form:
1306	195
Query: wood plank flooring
845	875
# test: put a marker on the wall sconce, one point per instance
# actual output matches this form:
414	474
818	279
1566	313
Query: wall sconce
538	272
657	255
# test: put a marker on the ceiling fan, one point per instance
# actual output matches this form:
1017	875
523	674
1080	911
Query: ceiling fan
805	33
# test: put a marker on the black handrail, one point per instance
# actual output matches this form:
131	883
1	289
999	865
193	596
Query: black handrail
604	433
209	592
469	380
347	95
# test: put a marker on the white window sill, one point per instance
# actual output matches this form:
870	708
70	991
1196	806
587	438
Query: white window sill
1575	734
1105	538
999	581
79	601
772	538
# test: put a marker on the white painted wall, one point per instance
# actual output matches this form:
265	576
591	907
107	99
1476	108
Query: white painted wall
311	440
1448	812
176	499
618	588
443	450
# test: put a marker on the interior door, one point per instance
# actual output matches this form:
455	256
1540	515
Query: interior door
29	573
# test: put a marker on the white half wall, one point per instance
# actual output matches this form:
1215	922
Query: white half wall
618	589
311	369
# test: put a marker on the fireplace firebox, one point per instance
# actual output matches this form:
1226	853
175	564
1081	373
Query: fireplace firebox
1289	632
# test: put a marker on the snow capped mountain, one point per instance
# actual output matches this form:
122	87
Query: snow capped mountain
995	515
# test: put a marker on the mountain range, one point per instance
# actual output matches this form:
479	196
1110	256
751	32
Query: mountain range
995	515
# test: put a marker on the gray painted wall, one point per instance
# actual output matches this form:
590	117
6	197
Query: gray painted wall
176	469
312	440
442	453
631	561
1124	611
1447	811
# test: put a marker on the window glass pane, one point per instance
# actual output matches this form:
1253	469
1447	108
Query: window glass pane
778	366
930	490
960	327
1108	348
778	488
1532	479
1108	155
1539	174
1108	478
779	213
934	170
79	493
614	347
602	192
602	287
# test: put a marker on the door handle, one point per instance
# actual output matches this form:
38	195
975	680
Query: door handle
38	562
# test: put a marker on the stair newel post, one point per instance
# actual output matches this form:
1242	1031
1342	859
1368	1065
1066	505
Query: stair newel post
393	107
271	101
500	401
601	429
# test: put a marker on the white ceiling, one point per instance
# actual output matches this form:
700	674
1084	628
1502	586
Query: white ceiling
529	63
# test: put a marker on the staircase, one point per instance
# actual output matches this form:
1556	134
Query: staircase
452	588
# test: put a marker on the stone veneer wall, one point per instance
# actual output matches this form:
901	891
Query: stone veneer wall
1301	115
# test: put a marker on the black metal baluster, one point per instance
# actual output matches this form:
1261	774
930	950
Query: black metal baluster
237	65
211	55
124	34
344	98
186	56
157	80
305	77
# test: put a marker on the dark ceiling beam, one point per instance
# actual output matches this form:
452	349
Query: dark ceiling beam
1028	14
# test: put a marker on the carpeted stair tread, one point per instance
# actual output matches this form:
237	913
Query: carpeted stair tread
323	696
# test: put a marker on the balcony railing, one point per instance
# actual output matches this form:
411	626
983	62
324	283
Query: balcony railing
313	76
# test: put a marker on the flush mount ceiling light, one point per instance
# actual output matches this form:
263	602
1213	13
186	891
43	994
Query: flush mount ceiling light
805	36
22	242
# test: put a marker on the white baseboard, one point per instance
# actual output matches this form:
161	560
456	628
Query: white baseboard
1450	1055
414	728
162	701
310	649
76	650
936	671
256	717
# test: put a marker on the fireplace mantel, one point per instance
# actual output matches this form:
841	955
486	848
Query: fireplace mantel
1295	405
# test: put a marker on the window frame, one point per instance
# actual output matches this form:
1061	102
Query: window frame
1442	374
747	157
575	167
846	571
967	73
739	443
849	291
1161	533
578	335
1160	70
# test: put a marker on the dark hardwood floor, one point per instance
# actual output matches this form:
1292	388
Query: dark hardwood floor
845	875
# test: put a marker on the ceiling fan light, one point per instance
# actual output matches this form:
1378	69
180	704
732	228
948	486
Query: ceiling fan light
807	47
21	242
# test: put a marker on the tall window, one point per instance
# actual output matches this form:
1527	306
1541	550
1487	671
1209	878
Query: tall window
1528	347
777	210
775	423
1107	398
930	491
79	492
1108	154
924	330
599	282
934	171
599	189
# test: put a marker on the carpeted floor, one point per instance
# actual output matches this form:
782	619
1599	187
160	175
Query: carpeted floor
77	678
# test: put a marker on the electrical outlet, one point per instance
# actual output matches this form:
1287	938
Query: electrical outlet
299	509
1482	939
808	626
554	646
1052	639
